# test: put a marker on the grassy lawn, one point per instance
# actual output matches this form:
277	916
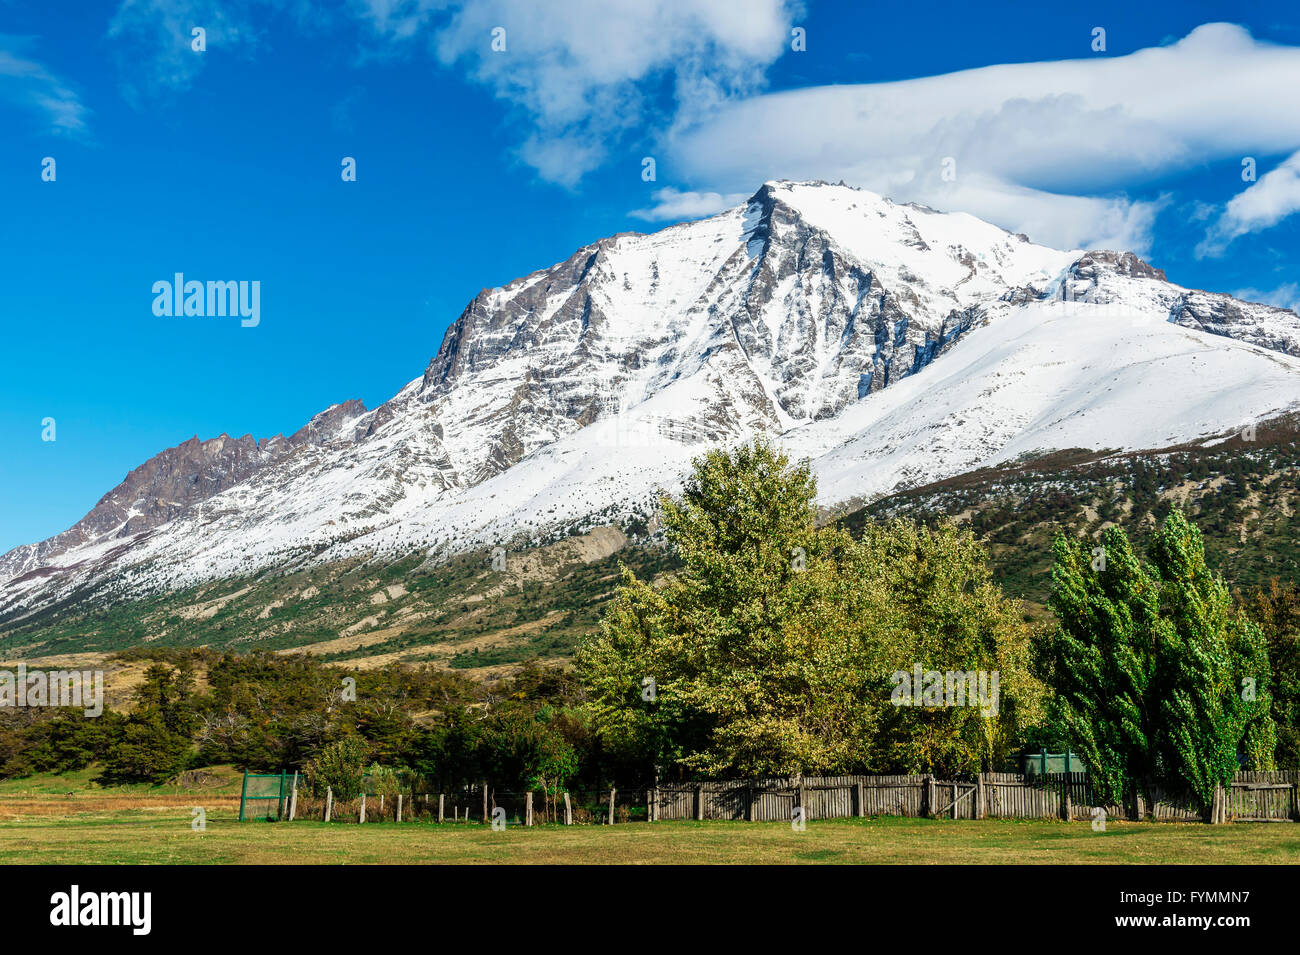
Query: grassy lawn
80	830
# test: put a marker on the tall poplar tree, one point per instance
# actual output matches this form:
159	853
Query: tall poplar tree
1157	675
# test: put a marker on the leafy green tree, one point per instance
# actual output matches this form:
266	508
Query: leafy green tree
55	741
147	751
1157	676
724	669
339	766
155	742
1277	610
1101	660
448	754
771	652
525	748
939	610
1214	677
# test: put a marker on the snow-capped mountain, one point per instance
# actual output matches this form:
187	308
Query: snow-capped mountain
891	344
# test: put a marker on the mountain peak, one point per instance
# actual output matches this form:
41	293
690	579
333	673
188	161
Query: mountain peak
889	343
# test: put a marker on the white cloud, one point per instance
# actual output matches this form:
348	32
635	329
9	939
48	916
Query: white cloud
673	205
1042	148
1260	206
584	73
153	40
31	86
1286	295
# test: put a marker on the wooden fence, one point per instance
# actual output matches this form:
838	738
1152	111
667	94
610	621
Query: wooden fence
1251	797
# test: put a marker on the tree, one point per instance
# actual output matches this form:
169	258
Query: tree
1214	671
1157	675
1276	609
772	651
340	766
155	742
146	752
525	747
946	615
1101	660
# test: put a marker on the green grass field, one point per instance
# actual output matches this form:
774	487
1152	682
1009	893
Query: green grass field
69	819
41	830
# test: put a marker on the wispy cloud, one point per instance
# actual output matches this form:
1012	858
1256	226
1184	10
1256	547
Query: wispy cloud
29	85
1286	295
584	74
674	205
1260	206
1042	148
153	41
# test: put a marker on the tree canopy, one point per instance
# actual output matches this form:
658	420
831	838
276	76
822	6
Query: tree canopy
1157	675
772	650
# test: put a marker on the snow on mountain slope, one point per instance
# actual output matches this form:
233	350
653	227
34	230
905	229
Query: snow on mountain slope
890	343
1046	376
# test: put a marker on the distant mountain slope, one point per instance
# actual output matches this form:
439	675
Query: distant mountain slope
463	613
891	344
1243	492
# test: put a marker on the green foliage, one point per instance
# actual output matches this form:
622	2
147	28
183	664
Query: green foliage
1157	675
1208	651
939	608
1101	660
146	751
527	748
383	781
1277	610
771	651
155	744
66	741
340	767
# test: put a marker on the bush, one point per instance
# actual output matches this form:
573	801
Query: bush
340	767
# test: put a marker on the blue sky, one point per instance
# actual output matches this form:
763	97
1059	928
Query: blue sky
475	166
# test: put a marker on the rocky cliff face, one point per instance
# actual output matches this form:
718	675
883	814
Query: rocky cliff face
176	479
819	313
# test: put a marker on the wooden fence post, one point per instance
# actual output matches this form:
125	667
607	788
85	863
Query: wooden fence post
528	808
363	807
929	796
954	801
649	805
699	802
860	795
485	805
399	807
293	797
611	805
979	797
441	810
381	805
568	809
1066	806
329	802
